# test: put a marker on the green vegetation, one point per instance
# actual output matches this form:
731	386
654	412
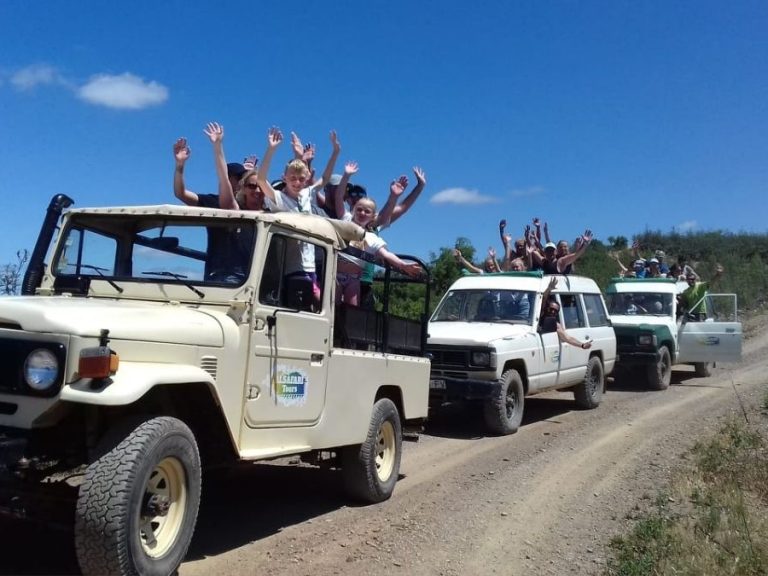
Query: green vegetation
715	520
744	256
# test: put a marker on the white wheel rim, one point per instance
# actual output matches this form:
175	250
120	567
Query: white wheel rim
385	451
158	532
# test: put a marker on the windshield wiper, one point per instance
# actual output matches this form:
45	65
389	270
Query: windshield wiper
180	277
100	271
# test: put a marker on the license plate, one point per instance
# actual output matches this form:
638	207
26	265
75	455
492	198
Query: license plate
437	384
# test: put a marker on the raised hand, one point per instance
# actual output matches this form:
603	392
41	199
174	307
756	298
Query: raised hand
249	162
536	222
421	177
181	151
309	152
274	137
502	225
397	187
215	132
587	236
491	252
350	168
413	270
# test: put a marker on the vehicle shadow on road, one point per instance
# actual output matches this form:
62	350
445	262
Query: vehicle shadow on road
465	422
635	383
256	501
34	549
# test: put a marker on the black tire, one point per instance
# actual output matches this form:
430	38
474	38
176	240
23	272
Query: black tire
504	412
660	374
588	394
147	484
704	369
371	469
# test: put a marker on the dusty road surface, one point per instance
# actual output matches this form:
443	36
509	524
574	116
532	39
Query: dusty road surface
543	501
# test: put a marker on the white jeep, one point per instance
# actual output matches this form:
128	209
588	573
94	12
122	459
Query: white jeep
164	340
653	333
485	346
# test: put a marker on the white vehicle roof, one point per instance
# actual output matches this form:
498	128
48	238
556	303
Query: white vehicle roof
642	285
531	281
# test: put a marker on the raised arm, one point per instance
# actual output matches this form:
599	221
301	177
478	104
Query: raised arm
547	292
563	262
331	161
405	205
537	227
466	263
546	234
621	266
396	189
338	194
215	133
181	153
274	138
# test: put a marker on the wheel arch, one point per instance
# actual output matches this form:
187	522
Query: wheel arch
519	365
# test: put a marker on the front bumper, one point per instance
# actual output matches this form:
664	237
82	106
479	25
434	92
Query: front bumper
443	389
636	358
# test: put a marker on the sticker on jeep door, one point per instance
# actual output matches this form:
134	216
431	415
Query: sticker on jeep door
289	386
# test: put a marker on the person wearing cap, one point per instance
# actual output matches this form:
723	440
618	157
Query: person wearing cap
692	298
663	268
639	268
551	264
653	269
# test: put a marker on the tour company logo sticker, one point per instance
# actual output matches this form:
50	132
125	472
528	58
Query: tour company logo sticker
289	386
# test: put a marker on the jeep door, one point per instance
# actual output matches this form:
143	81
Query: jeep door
287	371
574	359
718	338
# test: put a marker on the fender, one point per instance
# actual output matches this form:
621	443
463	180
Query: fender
131	382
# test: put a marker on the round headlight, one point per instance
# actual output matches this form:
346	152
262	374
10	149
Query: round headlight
41	368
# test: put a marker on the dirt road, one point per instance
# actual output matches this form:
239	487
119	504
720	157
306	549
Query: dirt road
543	501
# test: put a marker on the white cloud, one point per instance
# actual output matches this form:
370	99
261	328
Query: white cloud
461	196
36	75
687	226
125	91
530	191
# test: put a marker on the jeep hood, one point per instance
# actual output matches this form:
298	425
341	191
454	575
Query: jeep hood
475	333
640	320
141	321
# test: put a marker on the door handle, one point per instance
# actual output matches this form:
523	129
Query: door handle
316	358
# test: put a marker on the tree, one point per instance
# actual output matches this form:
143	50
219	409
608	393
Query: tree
10	274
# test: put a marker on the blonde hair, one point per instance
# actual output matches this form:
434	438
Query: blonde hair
297	165
240	193
372	224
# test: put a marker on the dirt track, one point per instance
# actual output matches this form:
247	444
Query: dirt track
543	501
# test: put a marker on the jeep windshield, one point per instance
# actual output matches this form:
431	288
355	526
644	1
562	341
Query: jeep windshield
640	304
503	306
152	248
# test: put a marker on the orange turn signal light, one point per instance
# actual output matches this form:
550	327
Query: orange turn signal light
98	362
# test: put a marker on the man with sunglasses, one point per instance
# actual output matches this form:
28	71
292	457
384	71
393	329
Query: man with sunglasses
549	319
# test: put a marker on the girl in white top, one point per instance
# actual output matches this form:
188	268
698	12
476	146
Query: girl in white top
350	268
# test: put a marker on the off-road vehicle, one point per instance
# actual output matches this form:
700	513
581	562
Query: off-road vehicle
653	333
485	346
143	355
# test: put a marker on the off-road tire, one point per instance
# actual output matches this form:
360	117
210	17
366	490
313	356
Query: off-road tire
370	470
704	369
659	374
588	394
503	413
113	516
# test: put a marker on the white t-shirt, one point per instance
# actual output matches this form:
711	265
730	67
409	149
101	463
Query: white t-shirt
301	255
371	245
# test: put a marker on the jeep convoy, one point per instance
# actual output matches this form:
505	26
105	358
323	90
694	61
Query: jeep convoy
485	346
137	360
653	333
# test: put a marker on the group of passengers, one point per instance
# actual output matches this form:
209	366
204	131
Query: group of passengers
247	186
533	251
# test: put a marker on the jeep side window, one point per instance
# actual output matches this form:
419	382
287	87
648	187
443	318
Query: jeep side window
595	309
573	314
279	287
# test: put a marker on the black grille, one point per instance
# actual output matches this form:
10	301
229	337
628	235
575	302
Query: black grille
13	353
453	358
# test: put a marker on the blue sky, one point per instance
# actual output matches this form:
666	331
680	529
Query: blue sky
612	115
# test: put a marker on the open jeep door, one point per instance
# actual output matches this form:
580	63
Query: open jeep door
716	339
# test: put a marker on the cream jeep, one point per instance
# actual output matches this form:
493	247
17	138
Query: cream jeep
653	333
485	347
164	340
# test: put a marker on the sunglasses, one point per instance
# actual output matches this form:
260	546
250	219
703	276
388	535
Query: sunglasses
553	310
251	186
